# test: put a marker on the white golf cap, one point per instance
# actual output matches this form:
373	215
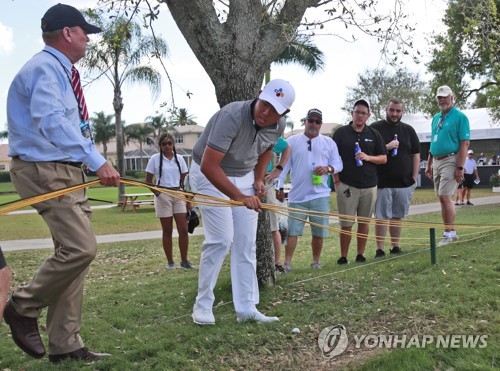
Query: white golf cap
470	152
280	94
444	91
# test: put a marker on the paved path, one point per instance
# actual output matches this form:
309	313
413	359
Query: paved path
45	243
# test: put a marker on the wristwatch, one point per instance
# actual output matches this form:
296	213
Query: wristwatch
330	169
279	167
460	167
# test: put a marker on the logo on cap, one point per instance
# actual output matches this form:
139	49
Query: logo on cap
279	92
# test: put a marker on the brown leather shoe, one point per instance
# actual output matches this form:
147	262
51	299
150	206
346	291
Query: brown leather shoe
24	332
82	354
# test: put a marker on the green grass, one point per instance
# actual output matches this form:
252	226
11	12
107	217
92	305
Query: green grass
110	194
140	312
97	192
113	220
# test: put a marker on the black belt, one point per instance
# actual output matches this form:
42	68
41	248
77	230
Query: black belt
443	157
75	164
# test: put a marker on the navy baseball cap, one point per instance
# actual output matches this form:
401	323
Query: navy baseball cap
62	15
315	112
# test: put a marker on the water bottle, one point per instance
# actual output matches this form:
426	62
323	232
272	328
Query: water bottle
394	151
316	179
356	151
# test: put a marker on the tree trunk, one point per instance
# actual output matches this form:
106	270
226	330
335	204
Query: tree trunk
236	54
265	251
118	106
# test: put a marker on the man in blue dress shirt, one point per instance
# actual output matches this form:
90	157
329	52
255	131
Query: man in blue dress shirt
49	141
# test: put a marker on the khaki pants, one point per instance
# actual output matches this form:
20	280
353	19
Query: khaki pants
58	284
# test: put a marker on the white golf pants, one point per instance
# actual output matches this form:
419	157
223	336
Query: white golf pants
227	227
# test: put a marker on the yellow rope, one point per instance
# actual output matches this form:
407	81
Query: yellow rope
201	199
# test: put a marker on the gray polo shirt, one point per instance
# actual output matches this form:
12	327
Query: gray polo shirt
232	131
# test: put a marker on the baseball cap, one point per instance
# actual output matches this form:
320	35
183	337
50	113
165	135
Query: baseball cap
315	112
470	152
363	102
444	91
62	15
279	93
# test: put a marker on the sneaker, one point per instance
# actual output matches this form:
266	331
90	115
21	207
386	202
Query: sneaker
470	203
342	260
457	204
395	250
287	267
462	204
203	317
279	268
445	240
257	317
360	258
454	238
170	266
315	265
187	265
379	253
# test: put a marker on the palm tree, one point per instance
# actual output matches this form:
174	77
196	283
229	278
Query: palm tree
289	123
103	130
4	134
122	55
160	124
182	118
140	133
302	51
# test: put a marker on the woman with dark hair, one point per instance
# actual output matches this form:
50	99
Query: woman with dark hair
169	170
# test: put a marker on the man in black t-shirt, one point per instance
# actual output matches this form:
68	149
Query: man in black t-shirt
356	184
397	179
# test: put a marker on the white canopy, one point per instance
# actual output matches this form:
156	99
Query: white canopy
482	125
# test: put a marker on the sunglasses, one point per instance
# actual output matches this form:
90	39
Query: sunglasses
163	144
347	192
309	145
440	123
317	122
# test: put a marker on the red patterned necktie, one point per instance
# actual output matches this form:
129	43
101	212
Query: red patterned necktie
77	88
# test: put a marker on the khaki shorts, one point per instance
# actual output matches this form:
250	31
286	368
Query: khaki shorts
273	217
444	175
361	202
166	206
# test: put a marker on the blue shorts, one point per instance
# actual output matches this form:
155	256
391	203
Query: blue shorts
296	219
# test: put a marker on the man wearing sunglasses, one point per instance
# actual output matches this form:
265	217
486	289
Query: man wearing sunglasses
450	138
229	162
314	157
356	185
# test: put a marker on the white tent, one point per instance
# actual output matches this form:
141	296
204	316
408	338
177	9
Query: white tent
482	125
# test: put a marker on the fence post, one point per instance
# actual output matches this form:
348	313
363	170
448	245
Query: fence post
433	245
